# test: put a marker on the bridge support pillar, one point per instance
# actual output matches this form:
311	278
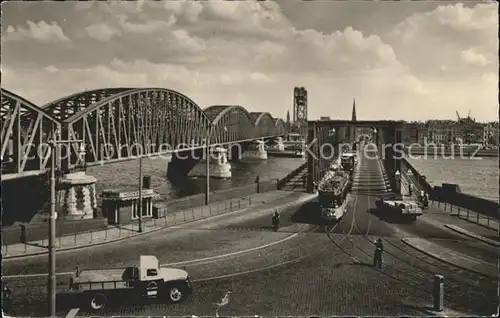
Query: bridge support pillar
280	146
220	168
77	196
256	151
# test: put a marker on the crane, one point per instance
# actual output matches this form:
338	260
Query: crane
456	111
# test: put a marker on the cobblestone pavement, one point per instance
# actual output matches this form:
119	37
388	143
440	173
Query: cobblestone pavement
312	274
113	233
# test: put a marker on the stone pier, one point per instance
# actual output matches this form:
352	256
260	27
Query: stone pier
220	168
256	151
280	146
75	198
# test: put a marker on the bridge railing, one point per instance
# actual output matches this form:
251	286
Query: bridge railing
447	196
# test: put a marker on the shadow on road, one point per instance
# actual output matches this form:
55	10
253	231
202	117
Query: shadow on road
309	213
388	217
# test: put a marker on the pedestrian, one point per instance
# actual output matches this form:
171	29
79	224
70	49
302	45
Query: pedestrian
410	189
377	256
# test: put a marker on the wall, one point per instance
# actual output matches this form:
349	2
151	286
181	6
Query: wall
39	231
217	196
450	193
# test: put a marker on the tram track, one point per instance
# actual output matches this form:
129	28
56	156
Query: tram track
30	293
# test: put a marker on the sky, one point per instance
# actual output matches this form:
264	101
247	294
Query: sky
406	60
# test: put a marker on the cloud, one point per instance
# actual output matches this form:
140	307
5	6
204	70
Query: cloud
474	58
446	37
41	31
101	31
253	54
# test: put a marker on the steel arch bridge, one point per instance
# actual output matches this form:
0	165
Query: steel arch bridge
26	128
119	124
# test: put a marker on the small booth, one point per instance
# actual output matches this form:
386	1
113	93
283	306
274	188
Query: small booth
122	207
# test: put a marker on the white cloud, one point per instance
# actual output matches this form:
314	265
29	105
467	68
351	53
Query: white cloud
51	69
250	53
101	31
41	31
474	58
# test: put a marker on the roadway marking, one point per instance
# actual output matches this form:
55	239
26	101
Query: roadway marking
177	263
72	313
234	253
249	271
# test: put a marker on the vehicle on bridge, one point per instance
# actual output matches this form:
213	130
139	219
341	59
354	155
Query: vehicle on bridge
348	160
98	287
404	209
332	195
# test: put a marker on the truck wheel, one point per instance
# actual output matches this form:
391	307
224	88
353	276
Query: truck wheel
175	294
98	301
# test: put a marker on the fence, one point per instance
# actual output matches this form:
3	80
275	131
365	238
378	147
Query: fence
113	233
448	195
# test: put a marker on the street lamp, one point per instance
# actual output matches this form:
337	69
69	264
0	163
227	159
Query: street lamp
207	164
53	215
397	176
139	210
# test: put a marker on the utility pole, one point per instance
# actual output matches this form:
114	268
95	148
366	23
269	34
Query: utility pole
52	219
52	234
140	194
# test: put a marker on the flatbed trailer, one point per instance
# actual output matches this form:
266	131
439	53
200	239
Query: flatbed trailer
405	209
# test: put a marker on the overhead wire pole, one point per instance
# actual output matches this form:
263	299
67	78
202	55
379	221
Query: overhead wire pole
52	220
139	210
207	165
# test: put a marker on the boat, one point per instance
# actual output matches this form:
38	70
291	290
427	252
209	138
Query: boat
332	194
293	147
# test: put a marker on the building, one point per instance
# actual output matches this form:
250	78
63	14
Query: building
445	132
490	134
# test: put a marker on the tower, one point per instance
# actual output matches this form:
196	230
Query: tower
299	104
353	116
352	129
288	118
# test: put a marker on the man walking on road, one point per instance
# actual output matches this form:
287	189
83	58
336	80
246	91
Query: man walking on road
377	257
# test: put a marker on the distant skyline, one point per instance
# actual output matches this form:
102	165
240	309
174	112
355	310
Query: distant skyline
399	60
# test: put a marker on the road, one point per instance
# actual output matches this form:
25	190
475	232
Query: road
310	273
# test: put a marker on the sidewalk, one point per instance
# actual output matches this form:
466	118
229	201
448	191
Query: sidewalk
467	215
451	257
117	233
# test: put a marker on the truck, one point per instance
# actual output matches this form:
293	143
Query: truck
404	209
95	288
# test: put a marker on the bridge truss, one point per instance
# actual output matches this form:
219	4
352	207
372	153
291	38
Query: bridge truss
117	124
26	130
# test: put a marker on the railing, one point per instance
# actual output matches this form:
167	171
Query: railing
468	207
280	183
112	233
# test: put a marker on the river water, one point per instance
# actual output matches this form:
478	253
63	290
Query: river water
477	176
125	175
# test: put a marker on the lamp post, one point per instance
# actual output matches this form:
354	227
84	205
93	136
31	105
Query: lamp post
53	215
397	176
139	210
207	164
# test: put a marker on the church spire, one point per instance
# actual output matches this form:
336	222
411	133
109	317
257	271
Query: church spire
353	117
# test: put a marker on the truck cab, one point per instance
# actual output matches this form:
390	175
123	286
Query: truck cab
147	280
